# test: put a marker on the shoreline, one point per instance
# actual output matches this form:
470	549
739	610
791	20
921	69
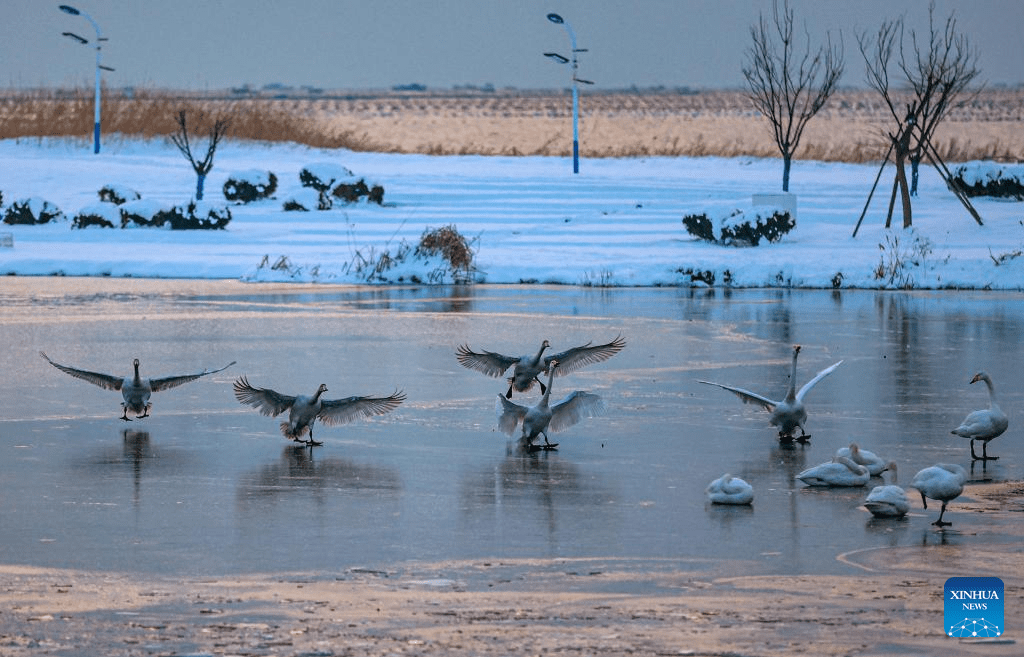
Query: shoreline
598	606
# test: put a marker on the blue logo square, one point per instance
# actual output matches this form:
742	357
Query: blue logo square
973	607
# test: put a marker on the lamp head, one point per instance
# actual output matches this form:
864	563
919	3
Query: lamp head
558	58
554	18
68	9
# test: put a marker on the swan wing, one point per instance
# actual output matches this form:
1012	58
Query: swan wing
982	424
573	359
817	377
343	411
266	401
746	396
574	408
488	362
510	414
108	381
173	381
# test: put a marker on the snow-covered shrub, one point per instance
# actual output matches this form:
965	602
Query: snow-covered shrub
104	215
308	199
118	194
249	186
450	245
352	192
324	176
196	215
32	211
741	227
139	213
980	178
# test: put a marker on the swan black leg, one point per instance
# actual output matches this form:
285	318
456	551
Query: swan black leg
939	523
124	415
984	452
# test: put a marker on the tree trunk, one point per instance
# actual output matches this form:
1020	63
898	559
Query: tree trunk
901	180
787	160
200	181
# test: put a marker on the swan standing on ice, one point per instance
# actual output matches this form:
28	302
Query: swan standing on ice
538	419
135	390
840	471
303	411
790	413
528	368
986	424
942	482
728	489
888	501
868	459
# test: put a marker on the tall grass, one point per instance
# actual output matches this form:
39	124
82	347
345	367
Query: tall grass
852	128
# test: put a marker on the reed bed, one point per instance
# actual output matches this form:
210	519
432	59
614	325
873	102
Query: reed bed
852	128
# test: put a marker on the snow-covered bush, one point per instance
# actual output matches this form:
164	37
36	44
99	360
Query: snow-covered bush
104	215
741	227
249	186
139	213
981	178
32	211
194	216
118	194
308	199
324	176
352	192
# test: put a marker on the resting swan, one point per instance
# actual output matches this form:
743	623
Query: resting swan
942	482
868	459
789	414
303	411
537	420
528	368
986	424
135	390
840	471
728	489
888	501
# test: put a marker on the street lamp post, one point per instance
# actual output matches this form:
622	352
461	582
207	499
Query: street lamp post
558	20
67	9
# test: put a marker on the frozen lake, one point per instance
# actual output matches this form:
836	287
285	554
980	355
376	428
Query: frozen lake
207	486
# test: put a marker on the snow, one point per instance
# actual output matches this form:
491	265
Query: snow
528	219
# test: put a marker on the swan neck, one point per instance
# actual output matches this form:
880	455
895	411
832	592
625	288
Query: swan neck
791	394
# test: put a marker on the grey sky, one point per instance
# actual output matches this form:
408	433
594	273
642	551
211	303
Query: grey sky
343	44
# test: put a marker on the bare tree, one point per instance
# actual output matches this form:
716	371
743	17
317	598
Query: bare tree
932	76
789	87
203	166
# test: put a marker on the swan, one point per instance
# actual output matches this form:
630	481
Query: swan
303	411
873	462
728	489
527	368
943	482
135	390
840	471
538	419
888	501
986	424
790	413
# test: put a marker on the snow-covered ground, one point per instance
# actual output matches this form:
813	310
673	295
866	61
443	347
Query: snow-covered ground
619	222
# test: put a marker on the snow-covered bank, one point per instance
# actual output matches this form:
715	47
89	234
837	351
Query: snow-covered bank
619	222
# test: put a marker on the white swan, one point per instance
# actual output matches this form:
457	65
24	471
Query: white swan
840	471
135	390
303	411
942	482
538	419
728	489
986	424
888	501
873	462
528	368
790	413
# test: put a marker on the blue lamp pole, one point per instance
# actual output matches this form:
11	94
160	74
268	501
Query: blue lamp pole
558	20
67	9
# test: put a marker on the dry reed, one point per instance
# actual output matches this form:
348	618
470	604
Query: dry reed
852	128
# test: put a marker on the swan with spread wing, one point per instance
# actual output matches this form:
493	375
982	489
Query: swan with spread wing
789	414
135	390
